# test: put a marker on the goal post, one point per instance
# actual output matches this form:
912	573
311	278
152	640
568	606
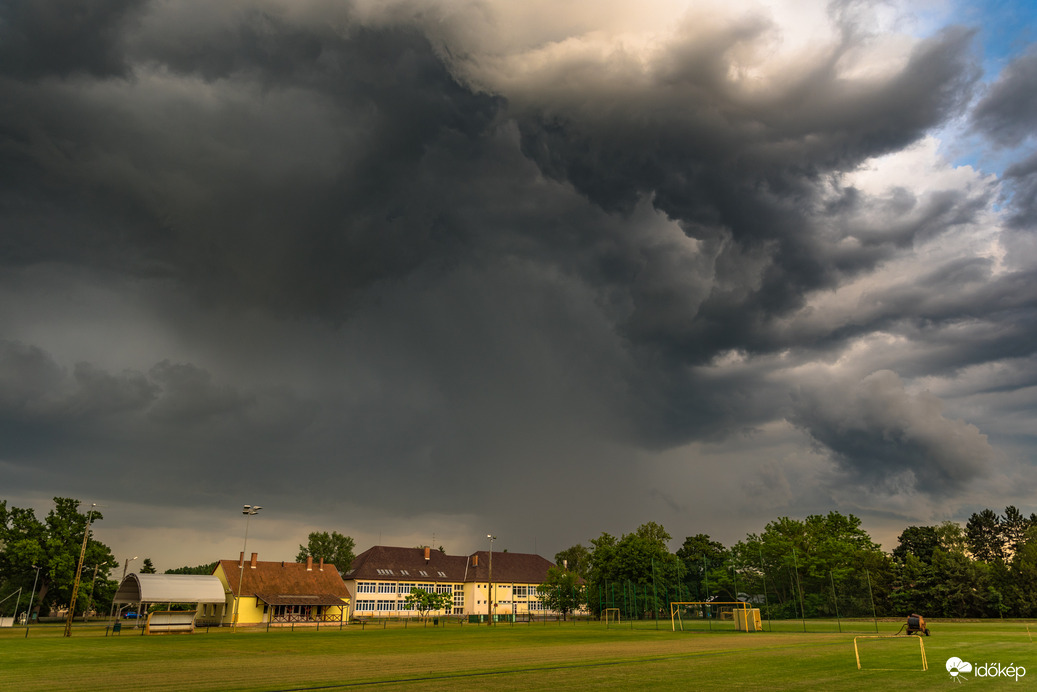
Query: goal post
857	652
611	613
747	619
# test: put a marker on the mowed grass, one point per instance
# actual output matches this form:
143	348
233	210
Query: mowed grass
507	657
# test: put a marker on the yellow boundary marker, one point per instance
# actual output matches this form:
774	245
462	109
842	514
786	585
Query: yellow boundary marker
857	653
674	610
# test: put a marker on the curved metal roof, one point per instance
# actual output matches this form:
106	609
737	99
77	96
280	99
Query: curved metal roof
170	588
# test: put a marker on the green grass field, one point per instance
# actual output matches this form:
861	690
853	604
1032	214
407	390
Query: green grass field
510	657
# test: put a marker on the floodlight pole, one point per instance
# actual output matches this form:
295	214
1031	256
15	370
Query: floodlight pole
489	582
28	613
249	511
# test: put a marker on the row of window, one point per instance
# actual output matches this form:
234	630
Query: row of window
397	606
391	587
369	605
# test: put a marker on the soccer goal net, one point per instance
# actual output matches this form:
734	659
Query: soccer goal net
725	614
888	652
611	615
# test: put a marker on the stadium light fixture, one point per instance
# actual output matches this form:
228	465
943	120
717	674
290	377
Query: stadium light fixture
249	511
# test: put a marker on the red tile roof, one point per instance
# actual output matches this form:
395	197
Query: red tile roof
284	579
522	568
406	564
385	563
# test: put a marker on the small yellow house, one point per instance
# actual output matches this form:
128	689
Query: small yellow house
280	592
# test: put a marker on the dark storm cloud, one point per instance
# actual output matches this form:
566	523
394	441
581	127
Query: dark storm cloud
1007	113
741	173
291	188
507	275
59	38
887	439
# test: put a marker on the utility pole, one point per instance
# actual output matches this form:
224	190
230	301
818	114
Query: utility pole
489	583
79	572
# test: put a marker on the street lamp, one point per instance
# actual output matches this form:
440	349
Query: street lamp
93	583
249	511
124	566
489	582
28	613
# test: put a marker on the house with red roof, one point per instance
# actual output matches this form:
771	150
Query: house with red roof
381	577
280	592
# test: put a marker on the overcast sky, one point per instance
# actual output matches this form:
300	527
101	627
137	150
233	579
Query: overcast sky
421	271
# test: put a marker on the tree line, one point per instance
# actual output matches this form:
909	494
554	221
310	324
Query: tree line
821	566
41	557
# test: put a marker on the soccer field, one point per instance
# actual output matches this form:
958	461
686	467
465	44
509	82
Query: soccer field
511	657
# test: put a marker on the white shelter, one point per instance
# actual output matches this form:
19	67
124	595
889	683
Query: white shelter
170	588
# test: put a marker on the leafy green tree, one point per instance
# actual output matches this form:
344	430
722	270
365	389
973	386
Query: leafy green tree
952	537
425	601
984	535
333	548
200	569
1024	576
699	556
804	560
576	559
634	564
919	541
53	545
562	591
1013	530
147	567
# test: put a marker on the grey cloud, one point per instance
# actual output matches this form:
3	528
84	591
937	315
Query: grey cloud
101	393
1021	178
189	396
29	378
888	439
60	38
540	282
1008	110
743	175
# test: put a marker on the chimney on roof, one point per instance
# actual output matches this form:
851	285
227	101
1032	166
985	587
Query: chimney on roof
309	563
241	560
322	564
427	549
475	560
255	556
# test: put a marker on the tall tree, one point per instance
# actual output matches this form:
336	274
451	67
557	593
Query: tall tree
637	561
984	535
919	541
562	591
1013	530
576	559
333	548
147	567
53	545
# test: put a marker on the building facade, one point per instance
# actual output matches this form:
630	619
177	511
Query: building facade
382	577
279	593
